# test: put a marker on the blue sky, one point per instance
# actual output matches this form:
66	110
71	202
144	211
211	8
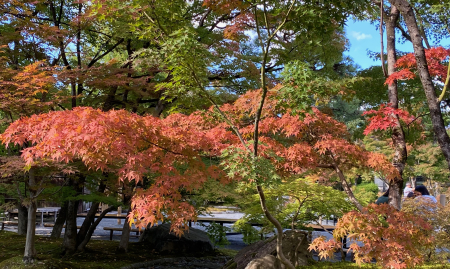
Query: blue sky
364	36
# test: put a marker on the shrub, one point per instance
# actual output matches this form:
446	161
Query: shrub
395	239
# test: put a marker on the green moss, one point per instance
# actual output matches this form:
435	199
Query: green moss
16	263
227	252
337	265
99	254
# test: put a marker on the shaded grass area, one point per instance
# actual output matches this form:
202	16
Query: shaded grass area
99	254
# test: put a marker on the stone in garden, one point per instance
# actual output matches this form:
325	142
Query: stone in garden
266	262
161	240
295	249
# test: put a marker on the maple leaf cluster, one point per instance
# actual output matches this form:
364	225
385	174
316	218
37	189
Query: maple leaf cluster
325	248
23	90
293	143
385	118
395	239
407	65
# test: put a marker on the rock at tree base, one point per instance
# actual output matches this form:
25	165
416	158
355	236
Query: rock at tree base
161	240
261	255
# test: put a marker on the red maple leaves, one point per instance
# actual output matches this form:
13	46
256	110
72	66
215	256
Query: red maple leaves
385	118
407	65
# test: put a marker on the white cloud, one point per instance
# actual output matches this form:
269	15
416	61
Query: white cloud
360	36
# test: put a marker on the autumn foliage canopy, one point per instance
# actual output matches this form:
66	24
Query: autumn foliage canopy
171	149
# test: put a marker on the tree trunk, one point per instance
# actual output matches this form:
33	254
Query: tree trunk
70	234
59	223
125	238
424	74
347	188
30	251
398	136
90	216
23	219
91	230
276	223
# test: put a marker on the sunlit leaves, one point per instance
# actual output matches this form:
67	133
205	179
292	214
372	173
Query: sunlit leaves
128	145
393	238
385	118
407	65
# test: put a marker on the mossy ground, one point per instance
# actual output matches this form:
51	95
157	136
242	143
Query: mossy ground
100	254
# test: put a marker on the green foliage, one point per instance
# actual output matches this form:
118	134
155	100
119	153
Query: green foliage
217	234
303	87
366	193
428	161
251	234
259	170
213	191
294	203
348	112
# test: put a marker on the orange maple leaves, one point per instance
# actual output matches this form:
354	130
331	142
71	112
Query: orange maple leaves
406	65
130	146
394	238
133	146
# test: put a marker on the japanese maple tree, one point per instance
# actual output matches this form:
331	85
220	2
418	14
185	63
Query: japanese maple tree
395	239
126	144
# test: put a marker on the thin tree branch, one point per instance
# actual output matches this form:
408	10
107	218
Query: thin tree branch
265	18
404	33
445	85
382	42
95	59
416	118
216	106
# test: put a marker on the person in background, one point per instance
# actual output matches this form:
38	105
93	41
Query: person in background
421	192
383	199
407	189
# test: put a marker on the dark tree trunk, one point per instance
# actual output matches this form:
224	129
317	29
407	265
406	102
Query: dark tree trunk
70	234
30	251
346	187
110	100
90	217
23	219
398	136
424	74
125	238
160	105
60	220
91	230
